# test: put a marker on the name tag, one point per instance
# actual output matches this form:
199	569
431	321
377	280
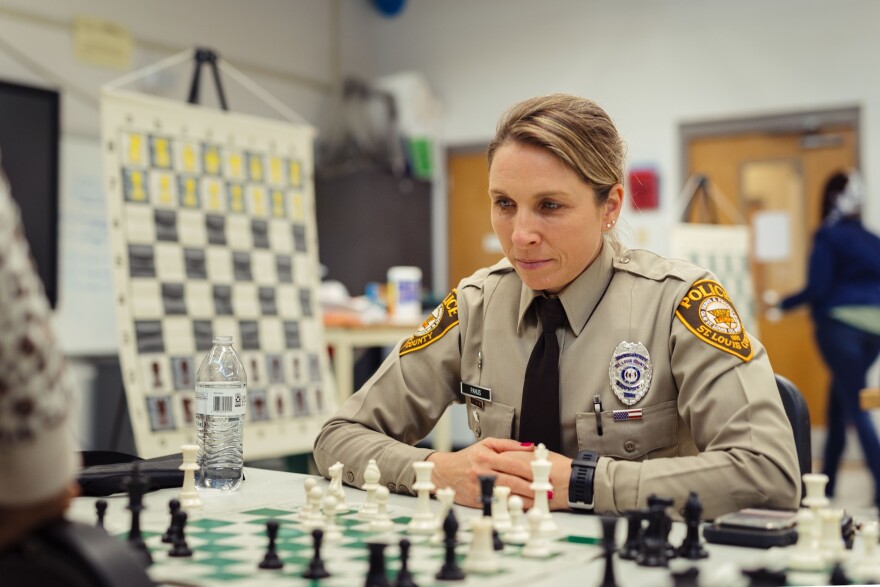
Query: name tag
480	393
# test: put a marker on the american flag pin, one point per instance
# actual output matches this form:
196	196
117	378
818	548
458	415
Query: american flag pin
621	415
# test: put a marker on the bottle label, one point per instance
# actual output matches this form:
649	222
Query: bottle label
223	401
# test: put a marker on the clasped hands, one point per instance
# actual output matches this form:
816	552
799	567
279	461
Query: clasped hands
509	460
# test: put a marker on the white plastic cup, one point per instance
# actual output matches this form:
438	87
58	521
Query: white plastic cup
405	294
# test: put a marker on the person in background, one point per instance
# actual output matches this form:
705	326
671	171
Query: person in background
38	458
843	293
634	370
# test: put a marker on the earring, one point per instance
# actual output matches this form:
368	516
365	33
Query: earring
609	225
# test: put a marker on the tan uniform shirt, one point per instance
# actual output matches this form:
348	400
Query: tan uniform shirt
711	422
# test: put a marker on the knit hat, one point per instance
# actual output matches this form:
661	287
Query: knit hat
38	457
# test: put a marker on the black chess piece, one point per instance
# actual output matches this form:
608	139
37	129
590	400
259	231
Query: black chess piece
609	525
271	560
101	510
487	496
691	547
664	503
404	576
763	577
173	508
179	547
376	576
136	486
632	545
686	578
450	571
652	552
316	569
838	575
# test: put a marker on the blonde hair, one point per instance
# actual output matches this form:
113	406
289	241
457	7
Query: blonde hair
574	129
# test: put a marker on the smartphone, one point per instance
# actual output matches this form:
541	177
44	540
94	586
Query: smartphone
758	519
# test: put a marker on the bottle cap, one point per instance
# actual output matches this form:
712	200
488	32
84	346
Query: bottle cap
222	340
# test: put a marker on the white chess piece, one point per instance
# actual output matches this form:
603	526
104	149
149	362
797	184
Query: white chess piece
306	512
189	495
332	533
371	483
500	513
423	520
312	517
335	489
541	466
381	522
868	568
805	555
831	544
481	557
446	496
536	546
814	484
518	532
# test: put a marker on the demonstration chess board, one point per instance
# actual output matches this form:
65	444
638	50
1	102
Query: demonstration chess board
213	232
227	550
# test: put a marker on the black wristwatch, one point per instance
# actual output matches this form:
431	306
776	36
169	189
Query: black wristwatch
580	487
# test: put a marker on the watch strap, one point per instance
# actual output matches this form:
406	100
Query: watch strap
580	487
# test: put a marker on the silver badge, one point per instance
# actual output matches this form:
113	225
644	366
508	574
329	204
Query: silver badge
630	372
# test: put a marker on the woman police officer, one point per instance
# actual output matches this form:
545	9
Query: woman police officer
660	389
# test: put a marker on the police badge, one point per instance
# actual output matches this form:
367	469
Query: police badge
630	372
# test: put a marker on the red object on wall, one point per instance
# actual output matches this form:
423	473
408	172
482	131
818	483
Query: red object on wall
644	189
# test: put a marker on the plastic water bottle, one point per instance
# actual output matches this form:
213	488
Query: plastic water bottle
221	401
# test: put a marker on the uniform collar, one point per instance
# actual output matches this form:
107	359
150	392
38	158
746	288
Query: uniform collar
581	296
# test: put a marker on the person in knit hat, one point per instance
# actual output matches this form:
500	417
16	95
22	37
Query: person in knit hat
38	457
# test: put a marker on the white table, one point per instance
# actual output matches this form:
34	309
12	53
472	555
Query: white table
285	490
345	340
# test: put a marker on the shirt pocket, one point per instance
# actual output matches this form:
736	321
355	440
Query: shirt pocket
490	419
654	435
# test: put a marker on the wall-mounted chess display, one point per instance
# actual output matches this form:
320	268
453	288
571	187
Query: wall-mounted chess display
213	232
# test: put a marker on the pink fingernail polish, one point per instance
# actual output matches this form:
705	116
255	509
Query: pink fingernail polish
549	495
527	444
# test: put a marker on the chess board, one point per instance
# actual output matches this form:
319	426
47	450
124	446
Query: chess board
213	232
227	550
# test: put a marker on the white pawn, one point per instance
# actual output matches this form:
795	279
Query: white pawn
536	547
335	489
371	484
805	556
541	466
306	512
500	513
481	555
518	533
189	495
446	496
312	518
868	568
332	533
423	520
381	522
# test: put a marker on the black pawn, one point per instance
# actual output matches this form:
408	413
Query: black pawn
686	578
271	560
179	547
316	568
450	571
173	508
691	547
101	510
632	545
376	575
404	577
838	576
609	525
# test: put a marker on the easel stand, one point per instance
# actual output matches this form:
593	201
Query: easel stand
206	57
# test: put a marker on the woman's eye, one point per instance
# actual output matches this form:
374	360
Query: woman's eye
551	205
503	203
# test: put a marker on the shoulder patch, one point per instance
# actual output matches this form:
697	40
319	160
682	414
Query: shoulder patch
707	311
439	322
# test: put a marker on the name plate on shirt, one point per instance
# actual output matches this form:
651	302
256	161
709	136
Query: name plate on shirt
476	392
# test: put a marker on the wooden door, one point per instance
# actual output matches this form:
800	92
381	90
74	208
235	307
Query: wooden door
472	243
775	180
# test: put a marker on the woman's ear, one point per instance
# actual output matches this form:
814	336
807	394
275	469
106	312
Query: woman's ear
613	204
